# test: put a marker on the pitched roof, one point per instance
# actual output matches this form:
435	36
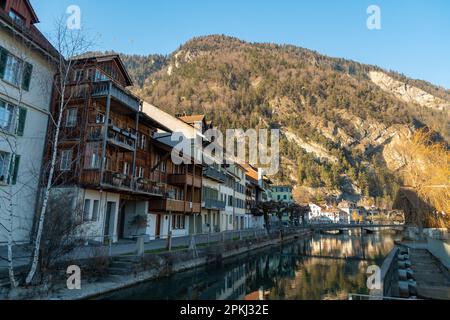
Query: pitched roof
101	57
31	34
192	119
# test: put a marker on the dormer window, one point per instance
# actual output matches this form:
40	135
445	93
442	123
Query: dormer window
17	18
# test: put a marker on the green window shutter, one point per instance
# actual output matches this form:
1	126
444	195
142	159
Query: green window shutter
3	58
15	172
26	77
13	169
21	121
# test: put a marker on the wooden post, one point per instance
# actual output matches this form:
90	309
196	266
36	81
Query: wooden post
105	134
169	241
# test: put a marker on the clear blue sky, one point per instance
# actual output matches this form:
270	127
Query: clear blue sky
414	39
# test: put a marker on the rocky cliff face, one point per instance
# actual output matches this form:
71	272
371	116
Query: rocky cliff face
340	120
408	93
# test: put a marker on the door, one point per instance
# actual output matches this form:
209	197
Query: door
110	219
158	226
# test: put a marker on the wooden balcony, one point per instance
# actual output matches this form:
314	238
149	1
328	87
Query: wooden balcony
100	89
182	179
122	138
174	206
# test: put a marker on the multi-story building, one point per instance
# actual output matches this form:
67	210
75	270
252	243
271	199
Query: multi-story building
27	69
114	164
240	217
282	194
213	179
253	197
179	208
351	210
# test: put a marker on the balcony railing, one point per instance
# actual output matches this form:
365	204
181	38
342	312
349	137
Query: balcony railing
118	180
213	204
122	138
172	205
149	187
181	179
214	174
100	89
95	132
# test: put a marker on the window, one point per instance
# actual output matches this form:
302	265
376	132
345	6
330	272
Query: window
12	70
178	222
230	201
87	210
100	118
141	172
93	156
9	168
4	166
17	18
126	168
143	142
6	116
71	120
163	166
66	160
95	210
79	76
100	76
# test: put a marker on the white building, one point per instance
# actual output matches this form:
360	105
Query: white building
26	77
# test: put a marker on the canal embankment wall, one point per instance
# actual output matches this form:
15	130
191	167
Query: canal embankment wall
128	271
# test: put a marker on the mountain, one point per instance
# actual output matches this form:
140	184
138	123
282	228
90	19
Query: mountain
340	120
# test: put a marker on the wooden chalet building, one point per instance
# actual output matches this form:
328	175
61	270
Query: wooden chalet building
108	160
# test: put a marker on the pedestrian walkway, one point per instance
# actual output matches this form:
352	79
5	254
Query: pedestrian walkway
433	280
22	253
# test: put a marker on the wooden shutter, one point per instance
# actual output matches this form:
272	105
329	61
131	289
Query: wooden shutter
21	121
26	77
16	170
13	169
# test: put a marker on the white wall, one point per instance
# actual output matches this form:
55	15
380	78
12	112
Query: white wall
133	209
31	146
96	229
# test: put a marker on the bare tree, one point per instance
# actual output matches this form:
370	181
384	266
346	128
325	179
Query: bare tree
69	43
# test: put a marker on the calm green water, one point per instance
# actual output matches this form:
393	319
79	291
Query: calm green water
323	267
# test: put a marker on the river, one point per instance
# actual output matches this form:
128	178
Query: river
321	267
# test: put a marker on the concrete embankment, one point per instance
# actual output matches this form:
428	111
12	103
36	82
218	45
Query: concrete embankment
127	271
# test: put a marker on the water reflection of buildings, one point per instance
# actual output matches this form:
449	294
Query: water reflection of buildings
305	269
234	284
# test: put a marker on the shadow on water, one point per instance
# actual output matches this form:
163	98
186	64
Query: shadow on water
321	267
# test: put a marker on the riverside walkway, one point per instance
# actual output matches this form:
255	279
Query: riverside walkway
433	280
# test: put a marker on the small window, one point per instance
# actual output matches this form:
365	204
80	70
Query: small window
95	210
4	166
71	120
7	116
87	210
163	166
17	18
66	160
126	168
12	70
100	118
141	172
143	142
79	76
